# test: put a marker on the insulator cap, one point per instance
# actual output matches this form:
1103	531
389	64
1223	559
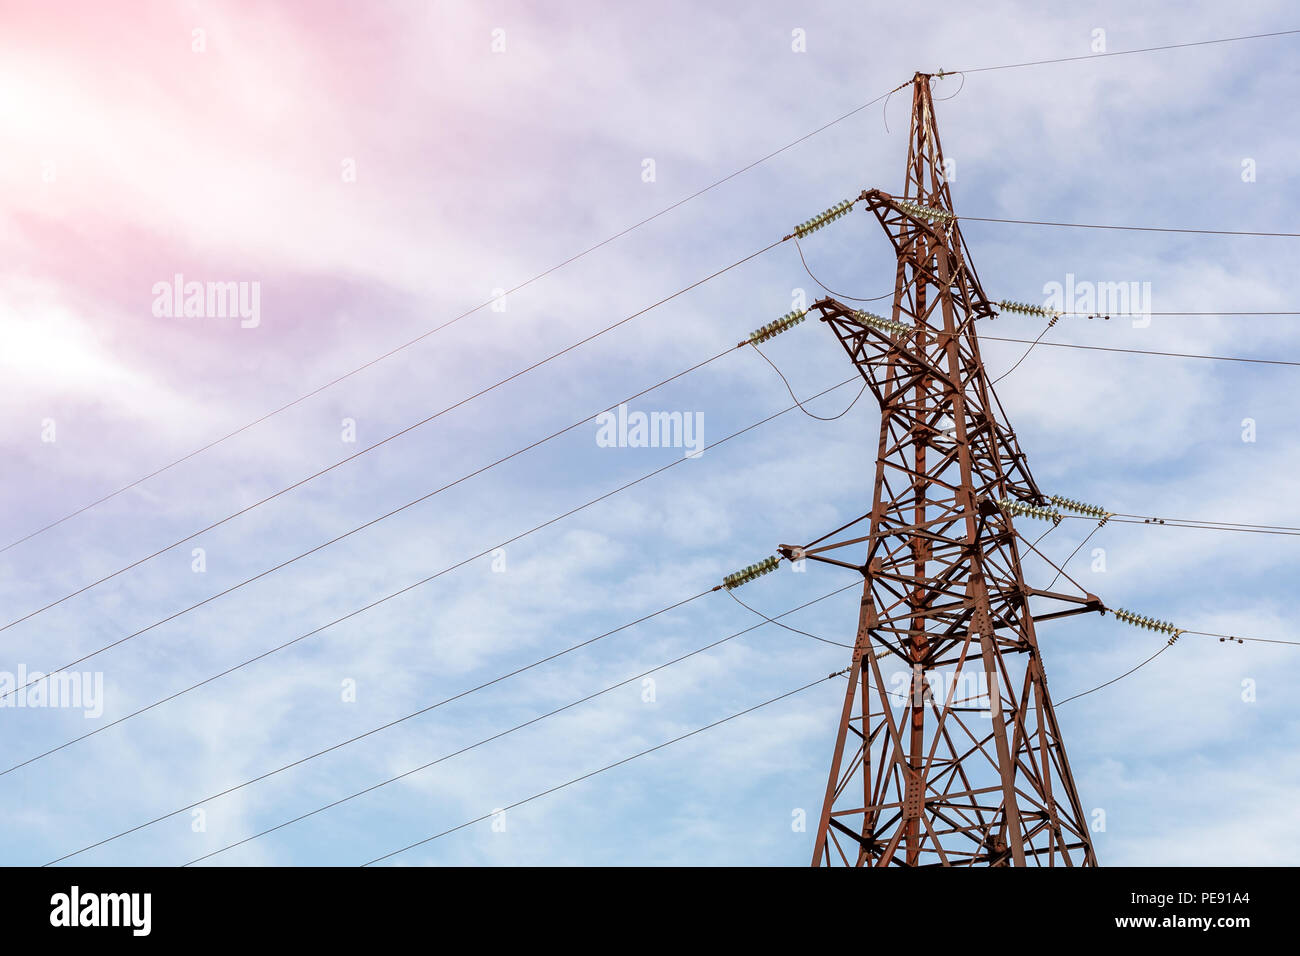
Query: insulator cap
824	219
766	566
924	212
1078	507
1024	307
1147	623
1029	511
888	326
773	329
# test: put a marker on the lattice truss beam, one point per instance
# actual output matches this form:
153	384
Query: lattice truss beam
948	750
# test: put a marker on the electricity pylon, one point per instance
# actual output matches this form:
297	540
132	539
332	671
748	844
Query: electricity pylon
960	761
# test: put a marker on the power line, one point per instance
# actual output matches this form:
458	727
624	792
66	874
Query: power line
786	381
1161	522
445	757
1222	637
1149	49
373	521
1059	224
590	249
1167	645
1023	356
337	746
1234	637
383	441
525	668
458	564
1059	572
1093	690
405	345
827	289
1143	314
618	763
448	700
1155	521
1235	524
1077	548
1104	348
562	786
732	594
1091	225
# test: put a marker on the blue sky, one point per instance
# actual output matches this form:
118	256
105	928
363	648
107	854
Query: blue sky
477	170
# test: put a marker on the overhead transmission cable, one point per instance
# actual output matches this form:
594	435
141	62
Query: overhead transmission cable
383	441
828	290
1069	508
607	767
1115	53
496	680
1092	690
1103	348
482	305
809	685
732	594
422	498
459	564
817	222
821	418
1023	356
1060	570
1170	229
735	580
480	743
486	816
1154	520
1236	524
618	235
1094	315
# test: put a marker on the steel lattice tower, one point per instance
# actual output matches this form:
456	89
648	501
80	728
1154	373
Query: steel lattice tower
959	762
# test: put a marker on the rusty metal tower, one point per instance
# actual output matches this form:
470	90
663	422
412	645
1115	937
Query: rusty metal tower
958	759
